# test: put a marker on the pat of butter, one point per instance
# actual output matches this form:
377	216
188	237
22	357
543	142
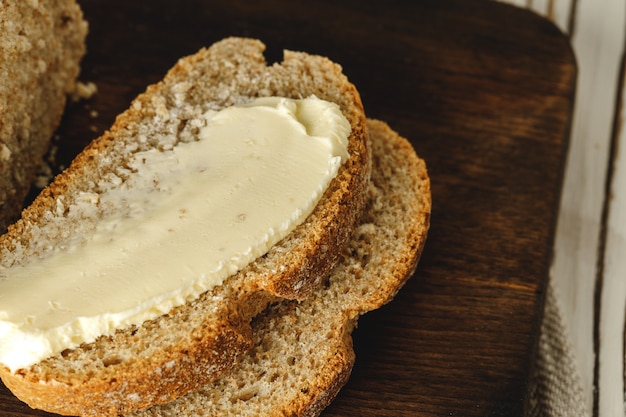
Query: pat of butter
194	215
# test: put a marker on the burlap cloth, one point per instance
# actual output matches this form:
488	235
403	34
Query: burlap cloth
555	388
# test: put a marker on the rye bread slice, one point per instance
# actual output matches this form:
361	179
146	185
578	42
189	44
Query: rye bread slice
302	353
193	344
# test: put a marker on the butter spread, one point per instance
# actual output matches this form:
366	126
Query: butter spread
194	214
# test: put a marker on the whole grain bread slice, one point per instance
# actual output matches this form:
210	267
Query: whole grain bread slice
302	353
41	45
178	352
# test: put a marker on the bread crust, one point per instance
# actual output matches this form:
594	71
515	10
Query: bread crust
193	344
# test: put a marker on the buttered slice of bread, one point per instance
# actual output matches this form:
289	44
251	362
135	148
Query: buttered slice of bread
192	344
302	353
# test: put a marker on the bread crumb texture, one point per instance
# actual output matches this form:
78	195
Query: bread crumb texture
41	45
302	352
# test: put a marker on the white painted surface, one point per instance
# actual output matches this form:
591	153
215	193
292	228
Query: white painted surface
611	369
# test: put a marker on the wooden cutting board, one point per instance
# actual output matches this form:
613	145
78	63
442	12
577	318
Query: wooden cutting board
484	92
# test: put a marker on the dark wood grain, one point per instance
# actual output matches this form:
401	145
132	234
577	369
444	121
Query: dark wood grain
484	92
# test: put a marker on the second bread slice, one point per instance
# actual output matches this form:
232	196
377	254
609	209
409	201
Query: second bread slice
303	350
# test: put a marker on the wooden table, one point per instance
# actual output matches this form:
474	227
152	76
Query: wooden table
484	92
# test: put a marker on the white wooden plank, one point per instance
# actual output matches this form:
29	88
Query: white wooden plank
613	299
598	40
574	270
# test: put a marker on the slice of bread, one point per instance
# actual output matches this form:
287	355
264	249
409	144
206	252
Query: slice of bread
302	353
41	45
191	345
